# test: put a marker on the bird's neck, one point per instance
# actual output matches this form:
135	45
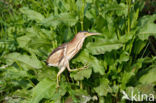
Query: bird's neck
77	42
74	46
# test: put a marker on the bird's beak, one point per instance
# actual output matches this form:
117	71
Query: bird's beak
89	34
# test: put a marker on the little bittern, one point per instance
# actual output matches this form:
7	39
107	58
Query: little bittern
61	56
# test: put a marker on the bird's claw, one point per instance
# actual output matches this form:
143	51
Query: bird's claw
78	69
84	67
57	86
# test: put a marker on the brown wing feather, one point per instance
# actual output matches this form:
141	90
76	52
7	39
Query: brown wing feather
56	56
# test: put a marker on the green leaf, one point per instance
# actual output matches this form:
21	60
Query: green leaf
138	65
134	17
140	90
24	40
44	89
139	46
90	14
124	57
103	89
31	14
130	91
147	27
92	61
15	73
22	93
29	60
59	93
55	20
146	88
150	76
121	9
100	47
126	38
125	78
86	73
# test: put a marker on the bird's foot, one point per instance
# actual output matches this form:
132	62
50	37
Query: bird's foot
57	83
83	68
78	69
57	86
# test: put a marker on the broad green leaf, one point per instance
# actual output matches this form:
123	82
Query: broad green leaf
147	27
31	14
23	93
139	92
134	18
126	38
44	89
124	57
48	72
130	91
68	19
59	93
29	60
100	47
139	46
86	73
103	89
81	93
146	89
16	77
55	20
79	4
138	65
15	73
91	61
125	78
13	100
90	13
119	8
150	76
24	40
51	21
32	31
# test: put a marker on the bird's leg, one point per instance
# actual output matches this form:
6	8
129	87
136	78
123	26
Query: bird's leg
72	70
58	75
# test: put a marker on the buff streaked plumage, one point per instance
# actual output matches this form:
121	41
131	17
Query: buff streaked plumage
61	56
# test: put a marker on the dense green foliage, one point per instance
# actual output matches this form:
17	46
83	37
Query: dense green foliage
118	60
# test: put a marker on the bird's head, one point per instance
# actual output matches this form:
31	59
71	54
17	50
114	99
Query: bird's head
85	34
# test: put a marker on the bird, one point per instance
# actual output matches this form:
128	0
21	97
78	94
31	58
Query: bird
61	56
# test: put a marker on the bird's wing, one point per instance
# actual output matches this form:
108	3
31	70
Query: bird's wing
56	56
